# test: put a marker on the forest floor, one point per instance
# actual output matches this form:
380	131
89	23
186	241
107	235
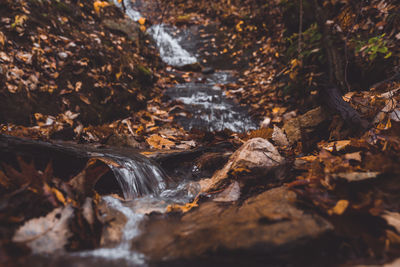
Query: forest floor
82	72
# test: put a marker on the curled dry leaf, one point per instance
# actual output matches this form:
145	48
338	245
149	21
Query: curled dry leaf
337	145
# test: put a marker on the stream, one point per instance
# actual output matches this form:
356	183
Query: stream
145	186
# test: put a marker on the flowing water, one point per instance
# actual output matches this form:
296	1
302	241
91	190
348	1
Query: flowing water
144	185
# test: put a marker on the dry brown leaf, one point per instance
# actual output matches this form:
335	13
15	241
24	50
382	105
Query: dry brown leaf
393	219
353	156
336	145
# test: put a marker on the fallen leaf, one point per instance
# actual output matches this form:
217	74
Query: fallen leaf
353	156
60	197
339	208
393	219
183	208
159	142
142	21
232	193
336	145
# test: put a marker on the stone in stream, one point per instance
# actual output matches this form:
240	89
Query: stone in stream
297	127
263	225
257	156
127	26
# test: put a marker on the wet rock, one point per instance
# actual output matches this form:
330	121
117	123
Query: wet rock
295	127
265	123
264	223
124	141
208	70
257	155
127	26
232	193
191	67
114	222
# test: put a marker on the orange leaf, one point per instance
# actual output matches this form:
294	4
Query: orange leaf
159	142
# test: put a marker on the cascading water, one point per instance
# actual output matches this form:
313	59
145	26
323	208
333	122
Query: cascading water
131	230
138	177
136	174
209	107
171	51
142	182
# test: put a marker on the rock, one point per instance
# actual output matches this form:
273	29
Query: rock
127	26
289	115
208	70
124	141
114	222
279	137
256	155
265	123
232	193
196	67
304	123
46	234
262	224
356	176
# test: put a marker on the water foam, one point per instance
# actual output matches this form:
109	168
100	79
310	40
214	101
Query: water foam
131	229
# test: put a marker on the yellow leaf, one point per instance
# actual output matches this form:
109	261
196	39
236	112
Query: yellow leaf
295	62
159	142
383	126
340	207
60	197
142	28
239	26
183	208
98	5
118	75
2	38
142	21
20	20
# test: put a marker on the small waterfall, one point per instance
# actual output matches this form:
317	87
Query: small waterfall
130	11
136	174
171	51
138	177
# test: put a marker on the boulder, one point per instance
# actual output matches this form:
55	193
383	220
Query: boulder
263	224
126	26
296	127
257	155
